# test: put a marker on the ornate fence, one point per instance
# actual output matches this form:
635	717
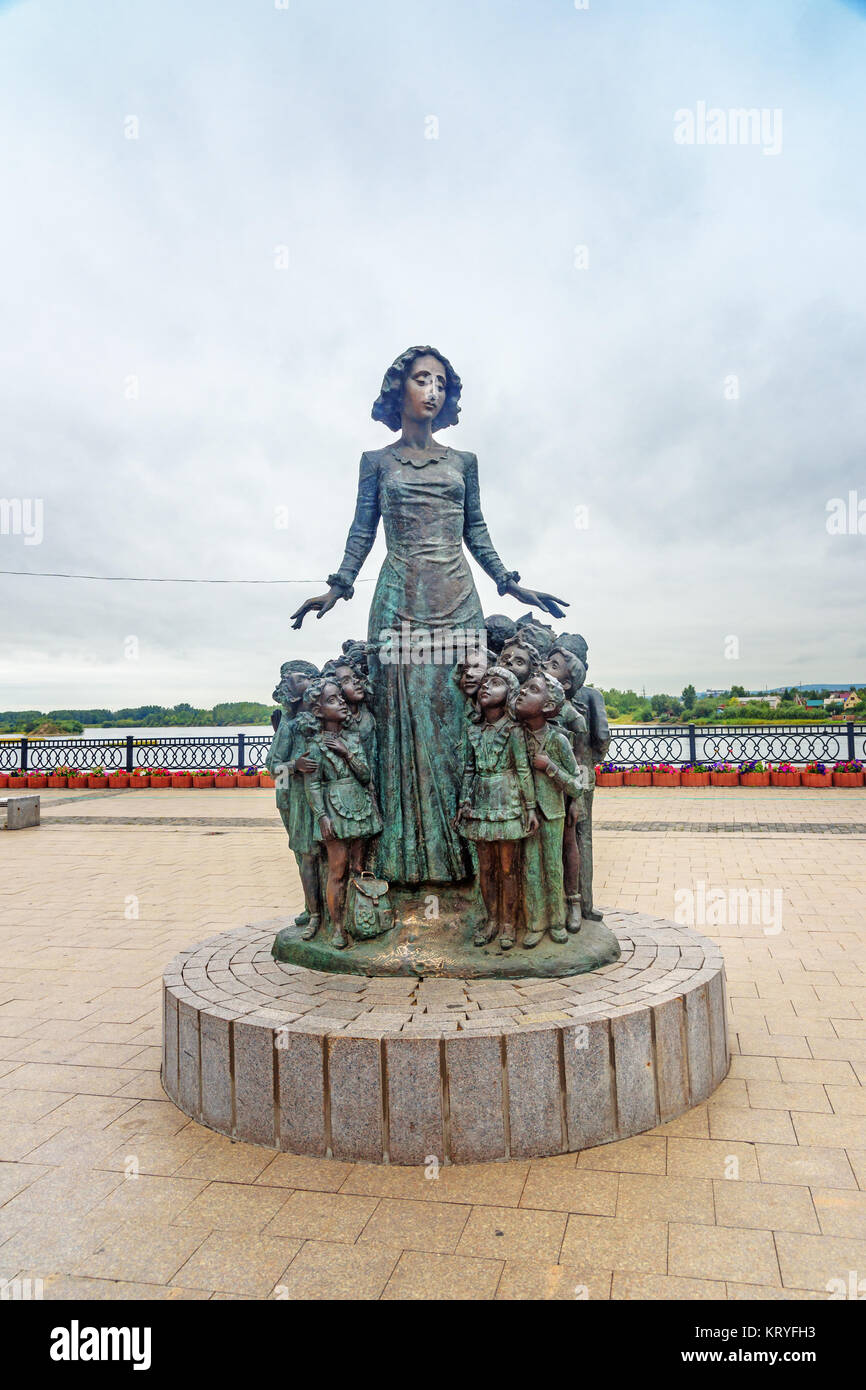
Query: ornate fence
630	744
229	749
709	743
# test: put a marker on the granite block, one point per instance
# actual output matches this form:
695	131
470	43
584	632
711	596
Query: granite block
698	1039
415	1130
535	1095
355	1086
169	1044
590	1095
635	1071
216	1075
475	1098
254	1082
301	1092
671	1060
188	1060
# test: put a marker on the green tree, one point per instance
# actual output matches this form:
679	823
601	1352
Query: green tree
689	697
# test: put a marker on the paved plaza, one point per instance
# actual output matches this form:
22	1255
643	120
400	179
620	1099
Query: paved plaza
108	1191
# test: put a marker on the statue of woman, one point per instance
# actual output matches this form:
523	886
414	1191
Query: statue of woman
428	498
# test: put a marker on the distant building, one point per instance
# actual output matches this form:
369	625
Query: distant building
846	698
772	700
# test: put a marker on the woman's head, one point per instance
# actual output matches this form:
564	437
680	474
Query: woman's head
422	382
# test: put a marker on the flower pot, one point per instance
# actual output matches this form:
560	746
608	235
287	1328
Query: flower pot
602	779
202	779
181	780
817	779
725	779
37	780
118	779
77	779
4	779
754	779
222	780
160	782
55	779
637	779
97	783
785	779
17	783
666	779
694	779
246	781
847	779
266	780
137	782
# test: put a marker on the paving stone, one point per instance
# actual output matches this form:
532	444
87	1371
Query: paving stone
430	1277
720	1252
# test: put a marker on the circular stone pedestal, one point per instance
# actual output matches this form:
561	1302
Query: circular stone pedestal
403	1070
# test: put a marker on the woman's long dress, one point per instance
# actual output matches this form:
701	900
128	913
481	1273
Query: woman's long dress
430	506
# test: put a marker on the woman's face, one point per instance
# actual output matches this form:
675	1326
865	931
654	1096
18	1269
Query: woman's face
492	691
424	391
517	659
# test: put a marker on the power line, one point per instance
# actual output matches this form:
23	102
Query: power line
151	579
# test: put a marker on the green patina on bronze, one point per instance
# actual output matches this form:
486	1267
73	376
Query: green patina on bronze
492	846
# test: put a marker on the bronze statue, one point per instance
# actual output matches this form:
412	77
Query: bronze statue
497	804
287	762
521	656
590	704
338	791
555	772
428	496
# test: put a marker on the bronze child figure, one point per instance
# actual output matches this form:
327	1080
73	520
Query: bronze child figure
565	667
497	804
339	793
555	771
521	657
287	762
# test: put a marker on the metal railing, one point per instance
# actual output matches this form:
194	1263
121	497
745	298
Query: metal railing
233	750
630	745
710	743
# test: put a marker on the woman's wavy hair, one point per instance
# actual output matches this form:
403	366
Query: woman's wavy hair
513	685
388	404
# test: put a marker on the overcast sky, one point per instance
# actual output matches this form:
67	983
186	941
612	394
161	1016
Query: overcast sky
195	323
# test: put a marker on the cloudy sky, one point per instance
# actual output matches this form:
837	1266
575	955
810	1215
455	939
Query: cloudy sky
223	219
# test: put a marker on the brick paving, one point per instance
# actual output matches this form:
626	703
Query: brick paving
108	1191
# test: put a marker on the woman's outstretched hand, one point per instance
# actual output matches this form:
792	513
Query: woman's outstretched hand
536	599
320	606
